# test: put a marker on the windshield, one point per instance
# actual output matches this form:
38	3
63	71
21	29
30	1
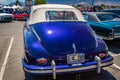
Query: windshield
108	17
20	12
8	10
61	15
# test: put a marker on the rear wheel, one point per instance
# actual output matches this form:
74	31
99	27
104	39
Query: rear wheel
10	21
28	76
15	19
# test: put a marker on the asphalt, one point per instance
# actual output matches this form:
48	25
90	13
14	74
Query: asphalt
13	68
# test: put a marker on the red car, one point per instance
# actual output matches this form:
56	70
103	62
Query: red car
21	15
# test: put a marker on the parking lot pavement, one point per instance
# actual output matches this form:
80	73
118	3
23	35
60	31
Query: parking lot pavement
13	69
4	41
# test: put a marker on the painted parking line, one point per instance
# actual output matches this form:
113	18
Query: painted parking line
5	59
114	55
116	66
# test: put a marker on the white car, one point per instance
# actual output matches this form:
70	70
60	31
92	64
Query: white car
5	17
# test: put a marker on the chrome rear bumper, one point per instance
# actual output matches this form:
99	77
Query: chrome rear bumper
57	69
116	35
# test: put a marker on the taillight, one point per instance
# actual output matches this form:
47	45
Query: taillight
42	61
102	55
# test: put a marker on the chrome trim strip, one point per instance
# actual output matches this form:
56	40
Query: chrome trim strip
116	36
66	70
113	31
106	38
36	34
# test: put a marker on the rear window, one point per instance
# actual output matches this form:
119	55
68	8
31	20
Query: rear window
61	15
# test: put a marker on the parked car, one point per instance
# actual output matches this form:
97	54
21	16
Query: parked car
5	17
94	9
116	11
57	40
21	15
106	25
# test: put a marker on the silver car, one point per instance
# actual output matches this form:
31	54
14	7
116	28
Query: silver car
5	17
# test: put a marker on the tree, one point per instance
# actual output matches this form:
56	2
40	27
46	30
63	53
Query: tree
40	2
17	2
103	6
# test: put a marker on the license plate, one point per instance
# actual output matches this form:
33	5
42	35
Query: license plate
76	58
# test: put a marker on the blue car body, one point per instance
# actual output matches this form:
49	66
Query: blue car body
61	47
55	43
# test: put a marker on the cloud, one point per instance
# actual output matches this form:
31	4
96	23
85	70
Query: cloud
1	1
84	3
110	3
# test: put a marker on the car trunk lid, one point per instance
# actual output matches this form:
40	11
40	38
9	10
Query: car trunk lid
58	38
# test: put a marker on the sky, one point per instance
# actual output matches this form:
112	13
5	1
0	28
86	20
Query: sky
5	2
97	2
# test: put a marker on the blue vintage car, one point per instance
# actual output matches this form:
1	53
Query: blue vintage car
57	40
106	25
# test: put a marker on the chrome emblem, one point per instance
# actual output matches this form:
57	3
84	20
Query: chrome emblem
74	47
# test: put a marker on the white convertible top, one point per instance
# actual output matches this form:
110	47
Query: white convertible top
38	12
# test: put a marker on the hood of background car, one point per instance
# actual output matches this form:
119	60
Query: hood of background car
5	14
111	24
59	37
